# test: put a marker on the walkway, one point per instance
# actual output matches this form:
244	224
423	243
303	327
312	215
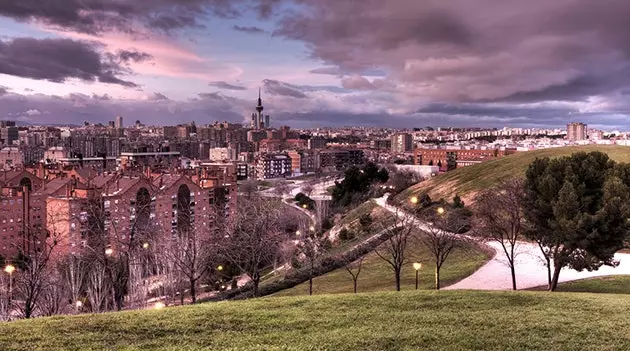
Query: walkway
530	265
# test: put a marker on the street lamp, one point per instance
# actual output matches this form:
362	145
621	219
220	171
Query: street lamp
219	268
298	233
414	200
145	246
304	206
109	251
440	210
159	305
78	304
417	266
10	269
311	228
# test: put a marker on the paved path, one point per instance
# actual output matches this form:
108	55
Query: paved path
530	266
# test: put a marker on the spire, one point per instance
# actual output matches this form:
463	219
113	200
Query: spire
259	108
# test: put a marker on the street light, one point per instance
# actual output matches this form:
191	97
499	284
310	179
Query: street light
219	268
440	210
298	233
109	251
10	269
417	266
311	228
78	304
159	305
304	206
145	246
414	200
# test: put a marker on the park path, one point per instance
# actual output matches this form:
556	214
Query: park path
529	264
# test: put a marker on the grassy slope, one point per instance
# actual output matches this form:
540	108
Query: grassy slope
614	284
445	320
468	180
376	274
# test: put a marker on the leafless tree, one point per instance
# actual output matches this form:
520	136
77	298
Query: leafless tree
354	269
54	298
439	235
394	249
33	278
253	237
312	245
248	187
499	218
74	271
98	288
281	188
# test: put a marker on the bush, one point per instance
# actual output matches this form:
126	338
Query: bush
345	234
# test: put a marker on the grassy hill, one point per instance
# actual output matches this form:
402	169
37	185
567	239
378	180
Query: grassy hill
376	274
467	181
445	320
613	284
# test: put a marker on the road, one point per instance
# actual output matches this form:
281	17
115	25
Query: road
530	265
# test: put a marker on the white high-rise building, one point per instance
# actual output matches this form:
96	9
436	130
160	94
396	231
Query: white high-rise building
118	122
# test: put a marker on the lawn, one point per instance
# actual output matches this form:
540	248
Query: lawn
408	320
467	181
376	274
614	284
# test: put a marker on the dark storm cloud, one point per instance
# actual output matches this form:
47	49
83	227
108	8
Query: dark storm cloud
226	86
485	50
275	87
94	16
57	60
248	29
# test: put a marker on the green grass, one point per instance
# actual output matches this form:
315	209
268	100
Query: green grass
613	284
467	181
376	274
426	320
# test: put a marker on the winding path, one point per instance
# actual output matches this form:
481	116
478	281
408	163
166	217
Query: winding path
530	265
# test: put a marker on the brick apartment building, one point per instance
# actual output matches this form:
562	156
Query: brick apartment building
462	157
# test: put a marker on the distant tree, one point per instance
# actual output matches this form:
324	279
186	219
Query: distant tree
577	207
440	236
354	269
431	163
312	245
345	234
451	164
255	235
249	187
439	164
499	218
394	249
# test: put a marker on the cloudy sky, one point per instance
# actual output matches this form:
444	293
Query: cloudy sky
398	63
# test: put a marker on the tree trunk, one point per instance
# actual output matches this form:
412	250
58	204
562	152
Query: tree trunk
513	271
397	276
255	281
355	285
548	272
556	274
437	277
310	280
193	292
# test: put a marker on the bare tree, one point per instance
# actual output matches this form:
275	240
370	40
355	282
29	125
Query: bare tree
74	271
354	269
499	218
439	236
281	188
253	238
54	298
34	278
394	249
312	245
248	187
98	288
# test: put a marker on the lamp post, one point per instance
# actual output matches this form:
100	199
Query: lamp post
440	210
10	269
417	266
414	200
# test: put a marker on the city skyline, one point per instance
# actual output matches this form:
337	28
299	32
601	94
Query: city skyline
319	63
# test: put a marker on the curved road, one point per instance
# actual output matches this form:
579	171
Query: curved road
529	265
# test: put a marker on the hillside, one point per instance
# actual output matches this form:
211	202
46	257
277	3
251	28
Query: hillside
467	181
376	274
453	320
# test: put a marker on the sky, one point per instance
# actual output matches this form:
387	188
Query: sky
318	63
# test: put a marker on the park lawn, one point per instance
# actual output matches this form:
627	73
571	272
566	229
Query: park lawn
407	320
468	181
377	275
612	284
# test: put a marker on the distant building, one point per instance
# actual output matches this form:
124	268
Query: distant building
118	122
462	157
11	158
340	160
576	131
316	143
401	143
8	132
273	166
